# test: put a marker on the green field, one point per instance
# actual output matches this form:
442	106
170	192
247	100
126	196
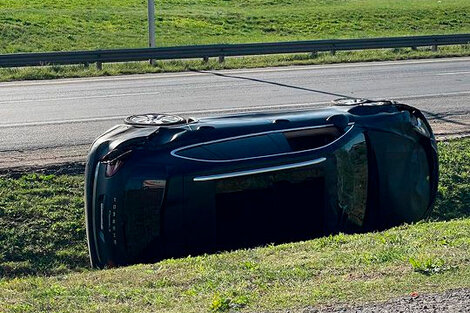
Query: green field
44	265
46	25
53	25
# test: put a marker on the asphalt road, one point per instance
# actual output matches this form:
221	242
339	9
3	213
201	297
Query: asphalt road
66	114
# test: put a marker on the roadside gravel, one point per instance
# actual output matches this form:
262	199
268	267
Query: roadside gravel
453	301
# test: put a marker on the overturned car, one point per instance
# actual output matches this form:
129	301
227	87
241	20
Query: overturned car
163	186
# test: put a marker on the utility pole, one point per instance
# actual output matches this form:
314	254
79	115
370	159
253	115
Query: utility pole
151	19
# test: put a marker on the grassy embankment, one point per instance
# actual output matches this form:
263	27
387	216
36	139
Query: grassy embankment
52	25
43	258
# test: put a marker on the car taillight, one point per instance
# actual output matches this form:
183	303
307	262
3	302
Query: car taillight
114	161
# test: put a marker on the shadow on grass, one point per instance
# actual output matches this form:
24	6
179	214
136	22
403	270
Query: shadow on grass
453	198
448	208
41	225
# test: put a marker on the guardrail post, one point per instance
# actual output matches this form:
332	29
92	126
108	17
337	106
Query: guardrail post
151	22
221	59
414	48
313	54
86	65
205	59
434	48
332	51
99	66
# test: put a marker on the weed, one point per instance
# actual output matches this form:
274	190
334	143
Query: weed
220	303
429	266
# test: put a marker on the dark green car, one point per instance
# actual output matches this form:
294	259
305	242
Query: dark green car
163	186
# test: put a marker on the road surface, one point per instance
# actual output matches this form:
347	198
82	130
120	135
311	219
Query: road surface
54	121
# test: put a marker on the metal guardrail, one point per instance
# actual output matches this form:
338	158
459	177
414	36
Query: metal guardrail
223	50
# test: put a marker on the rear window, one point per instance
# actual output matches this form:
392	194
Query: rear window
311	138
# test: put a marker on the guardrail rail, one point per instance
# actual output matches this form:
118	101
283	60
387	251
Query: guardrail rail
226	50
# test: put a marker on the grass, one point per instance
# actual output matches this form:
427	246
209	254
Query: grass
329	270
41	225
55	25
453	199
43	258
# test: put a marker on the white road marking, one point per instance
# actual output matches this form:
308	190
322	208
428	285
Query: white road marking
115	95
452	73
221	111
198	112
156	93
432	95
237	71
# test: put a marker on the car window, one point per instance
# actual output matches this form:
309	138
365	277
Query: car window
263	145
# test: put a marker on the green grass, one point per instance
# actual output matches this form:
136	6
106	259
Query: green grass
46	25
453	199
41	225
44	264
328	270
53	25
